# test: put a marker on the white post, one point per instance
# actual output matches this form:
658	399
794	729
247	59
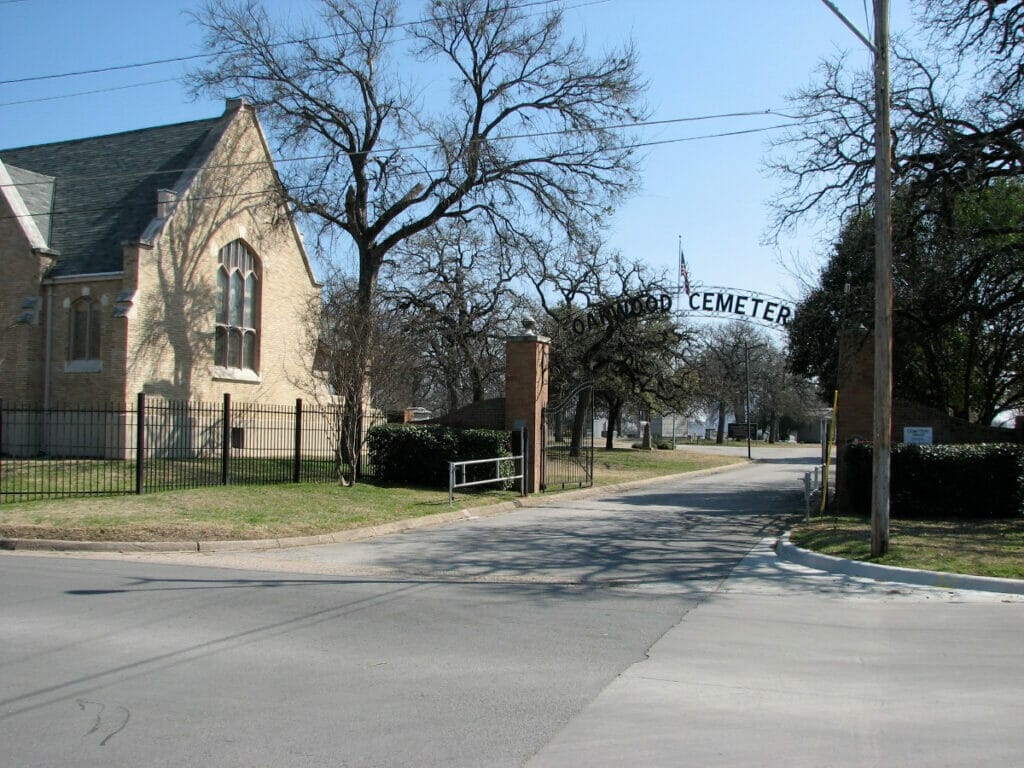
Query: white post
807	496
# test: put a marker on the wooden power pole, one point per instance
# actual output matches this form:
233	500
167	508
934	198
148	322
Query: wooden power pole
882	423
883	289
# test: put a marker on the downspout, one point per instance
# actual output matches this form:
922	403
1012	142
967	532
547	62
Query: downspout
48	348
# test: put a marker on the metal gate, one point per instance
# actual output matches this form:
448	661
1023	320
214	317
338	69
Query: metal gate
567	455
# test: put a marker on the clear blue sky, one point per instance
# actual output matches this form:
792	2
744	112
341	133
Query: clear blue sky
702	57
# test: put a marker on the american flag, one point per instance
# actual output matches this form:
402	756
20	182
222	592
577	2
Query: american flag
684	273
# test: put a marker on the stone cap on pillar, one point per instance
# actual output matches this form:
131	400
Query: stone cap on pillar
529	333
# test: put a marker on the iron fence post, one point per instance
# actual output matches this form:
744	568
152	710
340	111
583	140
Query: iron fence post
225	456
140	442
297	464
543	485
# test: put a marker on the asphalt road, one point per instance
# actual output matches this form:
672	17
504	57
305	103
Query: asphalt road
466	645
651	626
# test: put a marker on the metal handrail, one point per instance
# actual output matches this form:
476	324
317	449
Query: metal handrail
454	482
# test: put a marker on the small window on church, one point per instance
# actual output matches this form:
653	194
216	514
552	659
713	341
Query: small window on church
84	331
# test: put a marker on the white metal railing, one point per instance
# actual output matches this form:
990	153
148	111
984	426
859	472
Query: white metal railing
457	480
809	488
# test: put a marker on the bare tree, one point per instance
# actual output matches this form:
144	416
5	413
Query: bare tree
530	125
782	397
722	368
453	287
346	373
595	309
957	116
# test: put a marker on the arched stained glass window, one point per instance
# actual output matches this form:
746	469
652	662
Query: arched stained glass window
236	339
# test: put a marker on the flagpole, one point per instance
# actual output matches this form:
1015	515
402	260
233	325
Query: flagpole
679	270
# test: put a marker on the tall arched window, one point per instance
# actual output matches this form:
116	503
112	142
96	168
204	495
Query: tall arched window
238	308
84	330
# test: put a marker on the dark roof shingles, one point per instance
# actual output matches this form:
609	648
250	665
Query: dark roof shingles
106	187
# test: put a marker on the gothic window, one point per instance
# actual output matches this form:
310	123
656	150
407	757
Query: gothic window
236	343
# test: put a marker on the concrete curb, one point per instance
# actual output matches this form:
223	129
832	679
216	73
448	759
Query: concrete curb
352	534
789	552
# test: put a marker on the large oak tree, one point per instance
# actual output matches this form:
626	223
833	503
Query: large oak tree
387	126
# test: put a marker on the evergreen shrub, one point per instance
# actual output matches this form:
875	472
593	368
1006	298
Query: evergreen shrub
977	481
419	455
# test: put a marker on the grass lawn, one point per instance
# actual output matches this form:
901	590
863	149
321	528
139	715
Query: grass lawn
983	548
270	511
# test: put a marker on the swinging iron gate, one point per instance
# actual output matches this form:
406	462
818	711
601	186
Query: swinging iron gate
567	456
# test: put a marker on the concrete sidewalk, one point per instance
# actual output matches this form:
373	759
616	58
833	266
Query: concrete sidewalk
786	665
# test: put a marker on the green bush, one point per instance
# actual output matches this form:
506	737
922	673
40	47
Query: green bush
980	481
419	455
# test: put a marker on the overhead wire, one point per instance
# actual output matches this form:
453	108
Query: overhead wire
307	158
510	137
93	209
109	89
194	56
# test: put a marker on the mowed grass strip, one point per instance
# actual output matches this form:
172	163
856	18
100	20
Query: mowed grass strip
243	512
978	548
622	464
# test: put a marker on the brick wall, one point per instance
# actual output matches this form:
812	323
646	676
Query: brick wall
21	344
71	384
485	414
171	331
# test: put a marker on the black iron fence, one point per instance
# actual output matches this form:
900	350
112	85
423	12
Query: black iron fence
160	445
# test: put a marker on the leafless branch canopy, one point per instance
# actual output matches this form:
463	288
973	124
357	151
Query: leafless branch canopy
957	116
523	128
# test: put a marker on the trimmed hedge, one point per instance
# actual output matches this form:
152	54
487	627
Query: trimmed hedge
419	455
973	482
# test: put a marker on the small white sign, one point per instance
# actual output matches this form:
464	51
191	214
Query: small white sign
917	435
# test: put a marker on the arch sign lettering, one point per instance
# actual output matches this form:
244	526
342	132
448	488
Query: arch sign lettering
710	300
730	302
618	310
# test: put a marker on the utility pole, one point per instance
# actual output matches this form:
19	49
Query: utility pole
882	423
883	289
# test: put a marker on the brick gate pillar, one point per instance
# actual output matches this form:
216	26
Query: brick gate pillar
855	380
526	392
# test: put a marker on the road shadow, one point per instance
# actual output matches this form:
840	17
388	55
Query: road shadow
633	538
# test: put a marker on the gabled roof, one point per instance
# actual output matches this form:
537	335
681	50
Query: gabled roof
104	189
36	192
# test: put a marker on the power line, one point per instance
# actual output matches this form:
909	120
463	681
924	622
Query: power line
511	137
269	190
111	89
194	56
